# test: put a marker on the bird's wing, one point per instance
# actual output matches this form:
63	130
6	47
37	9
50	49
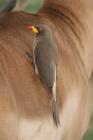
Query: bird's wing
46	66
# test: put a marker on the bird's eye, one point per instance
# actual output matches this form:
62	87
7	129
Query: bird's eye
40	29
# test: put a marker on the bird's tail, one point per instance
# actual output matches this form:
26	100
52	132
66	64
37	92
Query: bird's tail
55	112
8	6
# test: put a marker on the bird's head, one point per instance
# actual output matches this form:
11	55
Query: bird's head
39	29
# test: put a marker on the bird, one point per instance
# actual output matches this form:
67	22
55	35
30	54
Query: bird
45	60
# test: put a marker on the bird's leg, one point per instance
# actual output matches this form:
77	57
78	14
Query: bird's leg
30	56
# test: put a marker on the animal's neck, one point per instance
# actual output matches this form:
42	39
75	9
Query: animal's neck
73	20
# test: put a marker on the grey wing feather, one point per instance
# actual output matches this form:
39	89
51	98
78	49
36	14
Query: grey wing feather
45	65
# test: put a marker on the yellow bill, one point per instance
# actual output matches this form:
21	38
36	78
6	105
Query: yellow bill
33	29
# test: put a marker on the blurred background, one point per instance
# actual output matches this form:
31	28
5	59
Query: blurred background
32	6
27	5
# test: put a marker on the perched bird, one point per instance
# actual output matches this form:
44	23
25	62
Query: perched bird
44	56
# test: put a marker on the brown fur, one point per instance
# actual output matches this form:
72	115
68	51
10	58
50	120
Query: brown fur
22	96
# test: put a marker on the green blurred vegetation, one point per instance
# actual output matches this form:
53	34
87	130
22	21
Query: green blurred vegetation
89	133
2	1
33	6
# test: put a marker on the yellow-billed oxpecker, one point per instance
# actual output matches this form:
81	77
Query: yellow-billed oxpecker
44	57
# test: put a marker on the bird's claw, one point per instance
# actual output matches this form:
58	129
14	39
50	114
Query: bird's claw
30	56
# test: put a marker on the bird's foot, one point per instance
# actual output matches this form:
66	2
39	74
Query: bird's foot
30	57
